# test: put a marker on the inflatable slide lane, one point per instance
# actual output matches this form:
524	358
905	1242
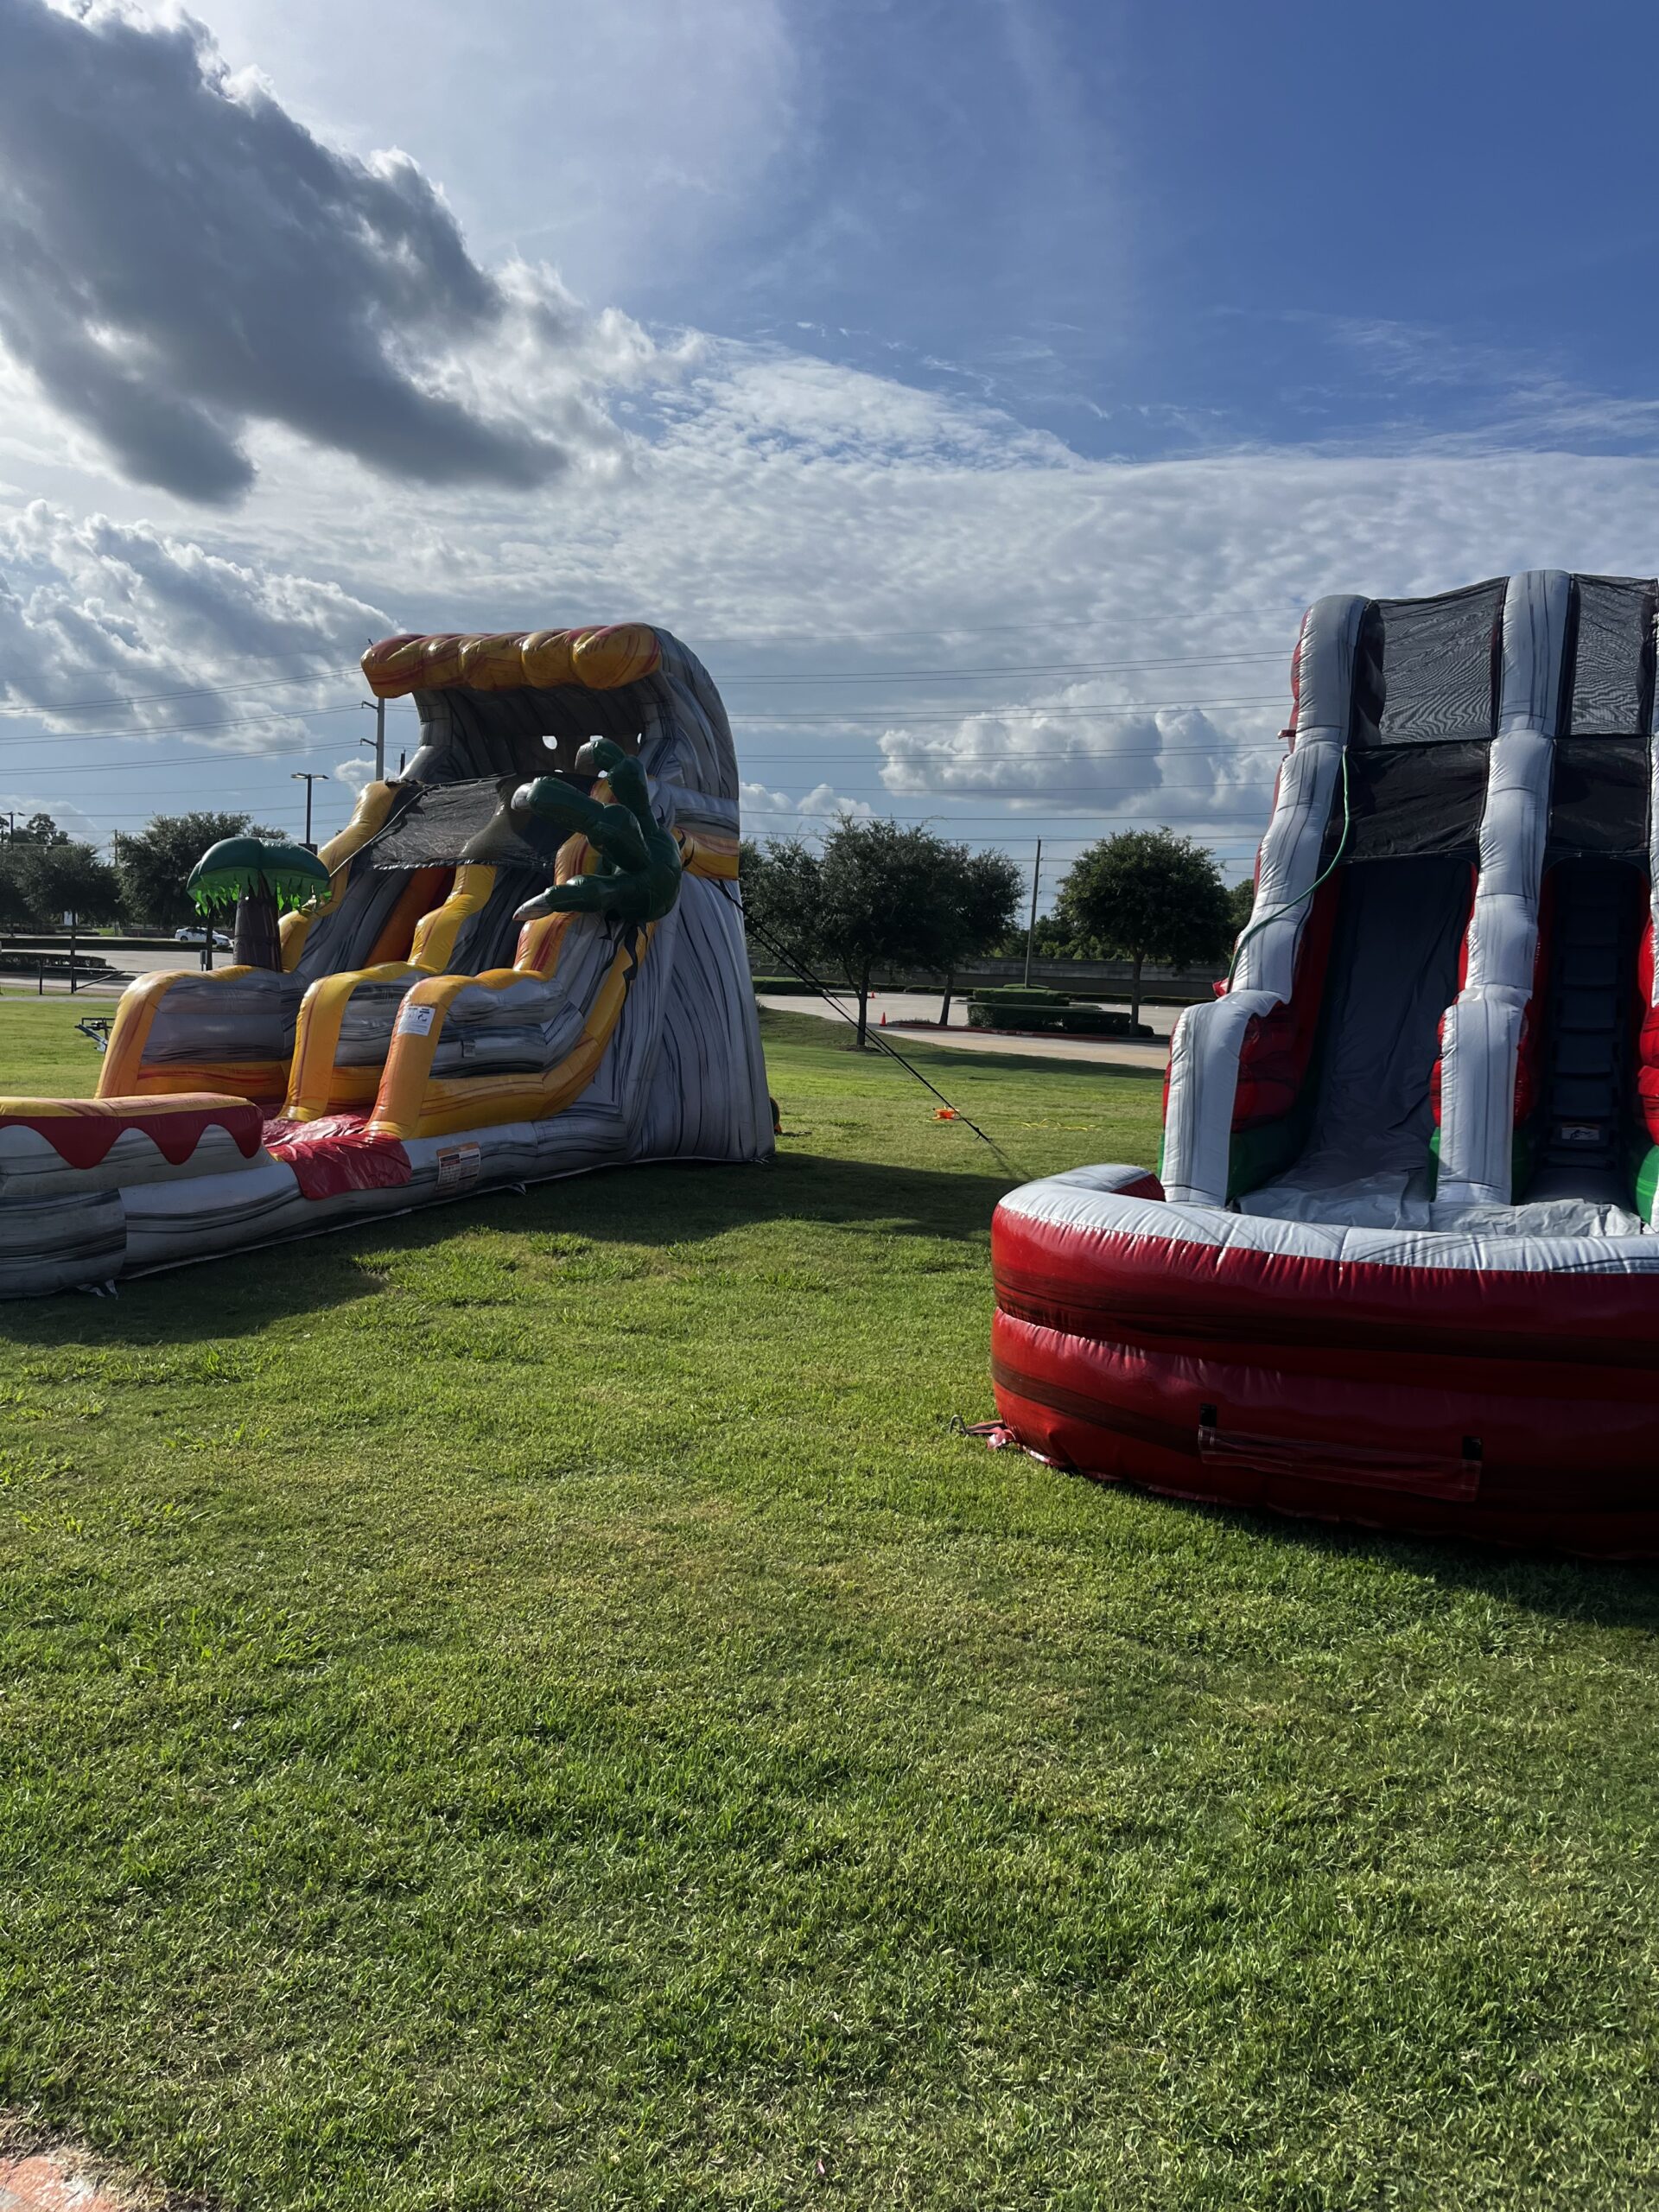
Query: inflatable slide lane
523	959
1399	1264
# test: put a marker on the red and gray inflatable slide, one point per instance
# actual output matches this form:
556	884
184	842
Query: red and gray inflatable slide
1399	1265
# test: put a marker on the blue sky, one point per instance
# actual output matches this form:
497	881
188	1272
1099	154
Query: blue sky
983	387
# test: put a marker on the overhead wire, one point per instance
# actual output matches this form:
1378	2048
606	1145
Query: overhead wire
799	969
800	762
193	691
336	670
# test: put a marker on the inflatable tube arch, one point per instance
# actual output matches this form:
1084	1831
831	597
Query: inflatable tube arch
419	1042
1399	1265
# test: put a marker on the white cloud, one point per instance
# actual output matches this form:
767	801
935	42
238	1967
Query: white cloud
1069	756
180	258
767	813
806	520
355	774
533	112
94	612
65	812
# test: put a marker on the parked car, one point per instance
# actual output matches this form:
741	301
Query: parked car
195	934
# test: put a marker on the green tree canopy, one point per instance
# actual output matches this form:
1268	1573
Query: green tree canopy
1147	894
1053	938
68	877
878	895
46	874
154	864
1240	900
38	829
15	909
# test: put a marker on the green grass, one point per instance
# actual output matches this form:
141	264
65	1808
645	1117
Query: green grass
42	1054
531	1707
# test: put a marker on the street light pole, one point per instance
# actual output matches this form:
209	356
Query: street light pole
307	777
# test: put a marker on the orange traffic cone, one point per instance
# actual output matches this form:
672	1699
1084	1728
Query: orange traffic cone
884	1022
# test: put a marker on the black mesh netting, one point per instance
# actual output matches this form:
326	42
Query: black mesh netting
1598	799
1437	665
450	824
1613	674
1405	799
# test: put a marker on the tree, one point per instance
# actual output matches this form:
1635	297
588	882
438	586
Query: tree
1240	899
1147	894
44	879
15	909
878	895
154	864
66	878
981	890
782	894
1053	938
39	829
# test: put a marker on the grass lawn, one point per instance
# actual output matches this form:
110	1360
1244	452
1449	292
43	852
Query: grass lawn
531	1706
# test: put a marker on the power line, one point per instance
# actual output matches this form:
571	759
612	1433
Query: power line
817	721
1034	625
999	710
336	670
166	730
804	760
1002	668
932	814
195	691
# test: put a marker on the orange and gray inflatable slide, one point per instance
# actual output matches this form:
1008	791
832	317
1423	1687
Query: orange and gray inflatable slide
420	1039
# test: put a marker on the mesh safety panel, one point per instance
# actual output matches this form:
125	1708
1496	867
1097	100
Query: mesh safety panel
1437	666
449	823
1598	799
1612	675
1405	799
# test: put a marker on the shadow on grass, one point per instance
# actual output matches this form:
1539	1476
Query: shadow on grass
659	1202
1618	1593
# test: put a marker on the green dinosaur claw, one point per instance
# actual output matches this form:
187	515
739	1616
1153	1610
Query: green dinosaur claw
638	879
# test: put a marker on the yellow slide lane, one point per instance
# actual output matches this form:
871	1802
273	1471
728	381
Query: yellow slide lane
412	1104
316	1086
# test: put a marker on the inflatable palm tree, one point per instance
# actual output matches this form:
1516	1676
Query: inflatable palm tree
260	880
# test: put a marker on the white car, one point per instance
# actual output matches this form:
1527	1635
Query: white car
197	935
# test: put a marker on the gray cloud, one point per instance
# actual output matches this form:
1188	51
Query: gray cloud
93	610
180	258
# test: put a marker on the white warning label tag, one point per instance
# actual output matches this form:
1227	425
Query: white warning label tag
415	1020
458	1165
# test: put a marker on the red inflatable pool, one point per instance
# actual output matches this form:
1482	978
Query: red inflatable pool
1400	1265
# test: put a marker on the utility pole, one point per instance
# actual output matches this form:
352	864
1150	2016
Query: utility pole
379	706
307	777
1031	927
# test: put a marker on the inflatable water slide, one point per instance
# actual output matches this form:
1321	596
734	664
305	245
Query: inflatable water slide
415	1036
1400	1262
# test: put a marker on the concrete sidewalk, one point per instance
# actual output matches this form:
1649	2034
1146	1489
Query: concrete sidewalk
914	1014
